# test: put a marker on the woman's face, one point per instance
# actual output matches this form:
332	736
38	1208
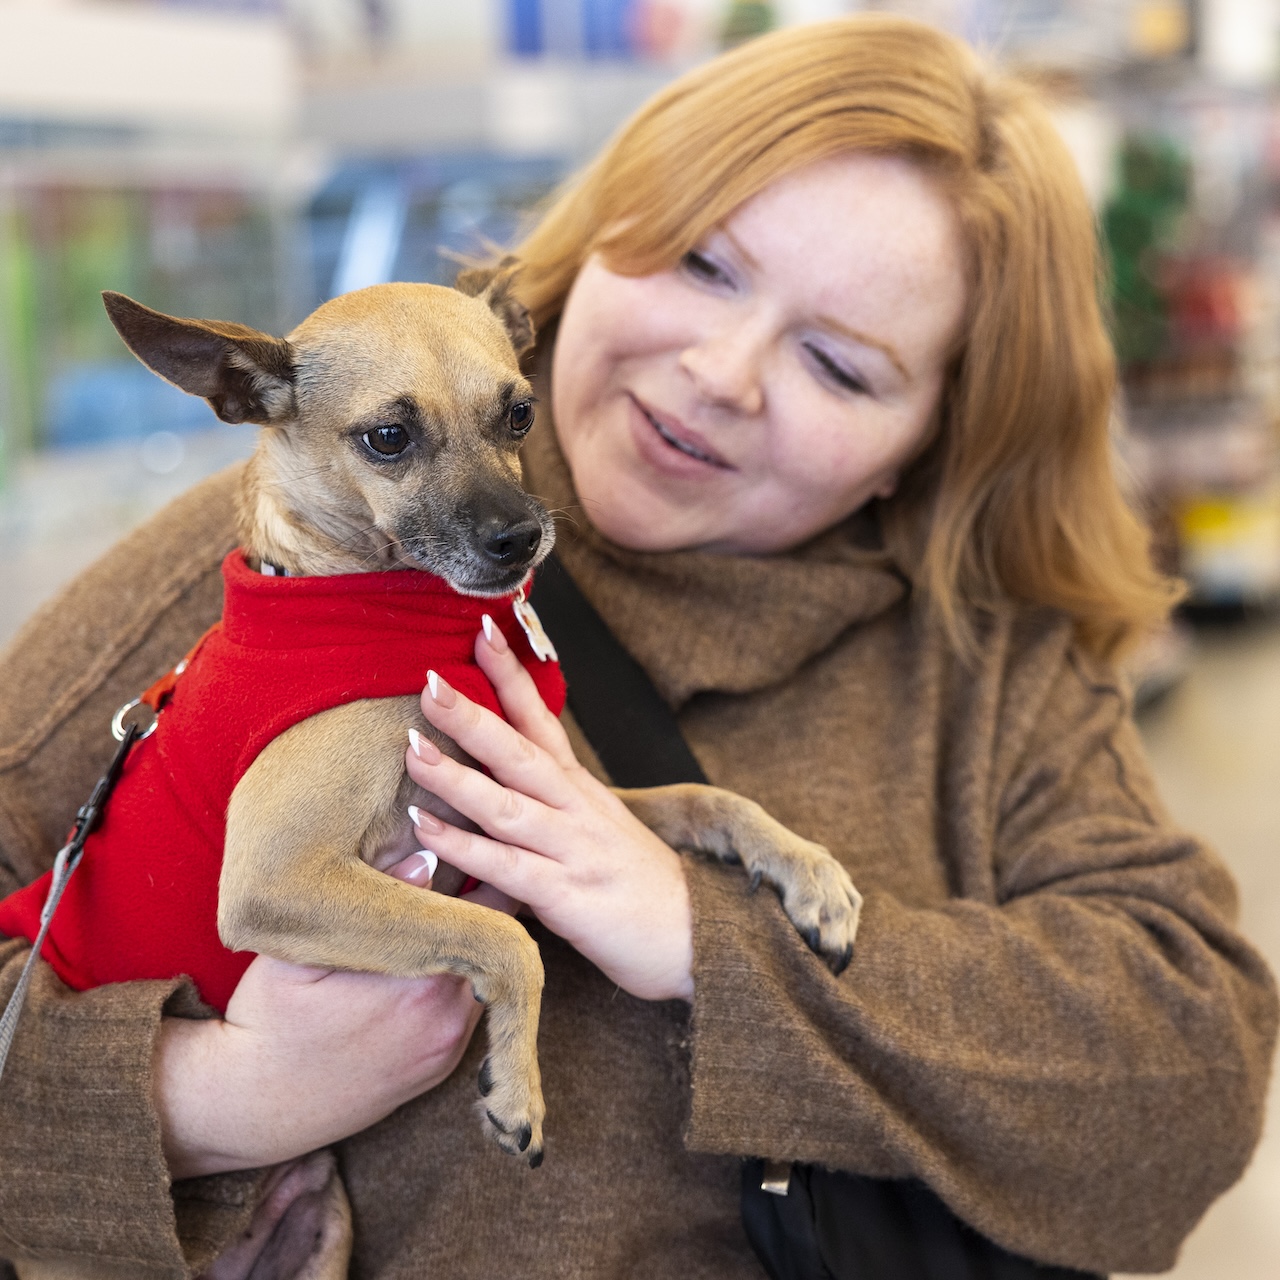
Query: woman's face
778	377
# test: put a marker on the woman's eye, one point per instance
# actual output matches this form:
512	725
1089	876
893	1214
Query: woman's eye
839	375
701	267
388	441
520	417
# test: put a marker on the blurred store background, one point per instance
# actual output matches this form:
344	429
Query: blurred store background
245	159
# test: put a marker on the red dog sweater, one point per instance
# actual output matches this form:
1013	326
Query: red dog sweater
144	901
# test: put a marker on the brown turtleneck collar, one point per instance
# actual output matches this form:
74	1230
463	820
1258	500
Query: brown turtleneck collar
698	621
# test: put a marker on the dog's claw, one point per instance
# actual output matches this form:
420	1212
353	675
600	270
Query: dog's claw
757	878
812	938
839	963
486	1079
517	1137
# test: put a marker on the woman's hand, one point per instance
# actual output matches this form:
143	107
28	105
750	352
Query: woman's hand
556	838
306	1056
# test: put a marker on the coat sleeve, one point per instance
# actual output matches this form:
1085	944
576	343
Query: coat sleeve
82	1173
1072	1052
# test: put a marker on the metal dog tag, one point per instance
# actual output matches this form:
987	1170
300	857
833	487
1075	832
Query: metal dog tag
531	625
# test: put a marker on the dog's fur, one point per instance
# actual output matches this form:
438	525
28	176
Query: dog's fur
322	810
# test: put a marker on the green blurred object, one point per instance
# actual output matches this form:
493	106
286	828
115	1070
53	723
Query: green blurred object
88	242
746	19
1139	221
18	369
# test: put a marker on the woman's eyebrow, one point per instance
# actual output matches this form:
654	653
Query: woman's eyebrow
867	341
743	252
826	321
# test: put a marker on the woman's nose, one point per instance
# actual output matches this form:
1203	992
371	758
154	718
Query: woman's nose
725	369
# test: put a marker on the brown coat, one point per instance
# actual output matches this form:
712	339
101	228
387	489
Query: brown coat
1049	1017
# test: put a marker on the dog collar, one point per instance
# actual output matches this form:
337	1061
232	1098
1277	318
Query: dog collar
539	641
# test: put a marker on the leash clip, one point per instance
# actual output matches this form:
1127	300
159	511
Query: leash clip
153	699
118	727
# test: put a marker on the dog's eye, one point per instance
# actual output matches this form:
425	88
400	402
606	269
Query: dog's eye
520	417
388	441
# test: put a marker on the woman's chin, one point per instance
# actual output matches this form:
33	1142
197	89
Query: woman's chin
635	535
639	523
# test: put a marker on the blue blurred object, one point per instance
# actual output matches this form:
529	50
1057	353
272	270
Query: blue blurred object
606	28
94	403
570	28
371	243
524	28
391	220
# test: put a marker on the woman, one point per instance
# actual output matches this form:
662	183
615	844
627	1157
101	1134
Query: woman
824	401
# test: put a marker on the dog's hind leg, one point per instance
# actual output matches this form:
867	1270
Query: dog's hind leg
816	892
301	1228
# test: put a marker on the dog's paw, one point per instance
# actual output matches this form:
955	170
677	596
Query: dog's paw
819	899
521	1136
512	1113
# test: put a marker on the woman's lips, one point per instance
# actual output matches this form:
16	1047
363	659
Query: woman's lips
675	436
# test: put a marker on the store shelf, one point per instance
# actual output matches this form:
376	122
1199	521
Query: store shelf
537	107
145	67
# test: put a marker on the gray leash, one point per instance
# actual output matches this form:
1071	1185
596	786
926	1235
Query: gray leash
64	865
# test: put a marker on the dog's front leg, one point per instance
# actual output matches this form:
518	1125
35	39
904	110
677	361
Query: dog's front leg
294	886
816	892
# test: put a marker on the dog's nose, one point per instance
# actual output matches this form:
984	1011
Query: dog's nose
510	544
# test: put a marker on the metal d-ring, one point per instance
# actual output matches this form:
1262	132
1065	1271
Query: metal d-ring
117	721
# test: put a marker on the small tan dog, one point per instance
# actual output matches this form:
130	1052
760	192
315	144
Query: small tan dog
393	419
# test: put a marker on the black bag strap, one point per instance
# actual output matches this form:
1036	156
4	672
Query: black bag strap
621	714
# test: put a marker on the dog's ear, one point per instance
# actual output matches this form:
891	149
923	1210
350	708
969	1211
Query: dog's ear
496	286
247	376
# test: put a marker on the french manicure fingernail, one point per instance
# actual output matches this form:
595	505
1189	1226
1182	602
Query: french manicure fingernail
421	874
441	694
493	634
424	748
423	820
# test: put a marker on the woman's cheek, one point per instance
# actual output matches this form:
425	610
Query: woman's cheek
816	452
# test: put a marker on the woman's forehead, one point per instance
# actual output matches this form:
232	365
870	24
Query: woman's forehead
860	239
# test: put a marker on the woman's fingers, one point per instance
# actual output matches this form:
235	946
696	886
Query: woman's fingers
513	759
518	695
417	869
515	872
514	813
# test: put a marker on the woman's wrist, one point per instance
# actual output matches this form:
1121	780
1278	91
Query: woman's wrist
678	936
199	1133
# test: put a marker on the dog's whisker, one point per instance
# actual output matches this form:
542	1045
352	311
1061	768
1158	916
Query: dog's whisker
565	514
289	481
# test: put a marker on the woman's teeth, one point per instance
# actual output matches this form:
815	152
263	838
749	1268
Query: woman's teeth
679	444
